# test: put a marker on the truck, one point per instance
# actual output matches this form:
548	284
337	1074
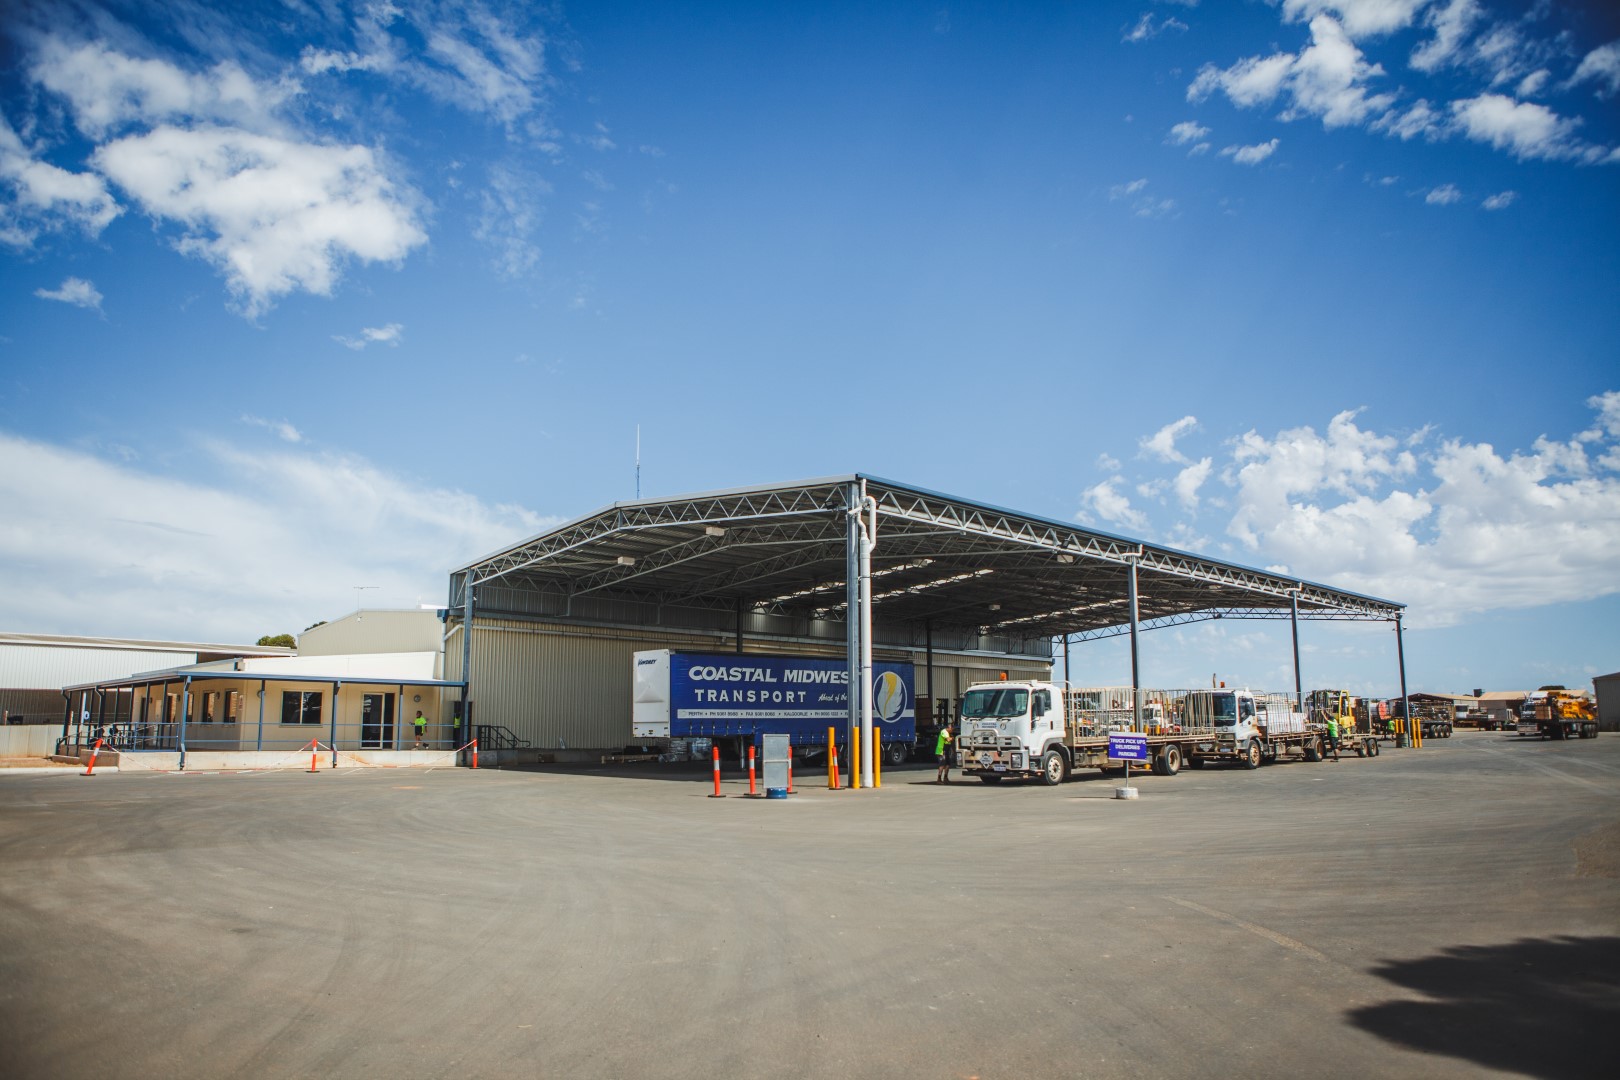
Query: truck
732	699
1355	723
1435	716
1035	729
1554	712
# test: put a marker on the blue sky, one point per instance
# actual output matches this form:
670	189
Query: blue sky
301	297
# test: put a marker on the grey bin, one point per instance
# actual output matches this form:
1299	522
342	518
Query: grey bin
778	750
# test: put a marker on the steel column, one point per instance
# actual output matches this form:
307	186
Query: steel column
1293	621
1136	673
1067	682
1400	657
259	743
466	652
852	607
185	707
928	630
336	687
868	542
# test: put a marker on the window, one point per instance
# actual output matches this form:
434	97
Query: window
300	707
210	706
233	706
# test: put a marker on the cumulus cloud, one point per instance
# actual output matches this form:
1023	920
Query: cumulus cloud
1360	18
1161	445
1105	501
1525	129
1327	79
45	197
1143	204
1251	155
75	291
272	215
1444	195
372	335
1452	527
1500	201
1185	132
1600	66
1451	23
109	548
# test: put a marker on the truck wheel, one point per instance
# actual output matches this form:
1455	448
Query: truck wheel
990	778
1251	756
894	754
1054	768
1168	760
1372	748
1361	750
1194	761
1313	750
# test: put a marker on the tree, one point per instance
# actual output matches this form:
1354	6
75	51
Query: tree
285	641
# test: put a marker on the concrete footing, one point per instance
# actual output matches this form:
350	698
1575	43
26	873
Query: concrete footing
1126	793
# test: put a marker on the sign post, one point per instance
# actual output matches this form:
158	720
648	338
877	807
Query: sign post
1127	748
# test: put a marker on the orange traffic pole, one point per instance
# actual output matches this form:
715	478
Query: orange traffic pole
314	744
475	753
790	770
717	794
91	768
832	761
751	789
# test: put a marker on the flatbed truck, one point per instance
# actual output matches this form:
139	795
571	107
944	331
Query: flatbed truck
1556	713
1035	729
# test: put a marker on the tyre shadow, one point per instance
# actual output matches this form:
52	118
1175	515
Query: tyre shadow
1547	1007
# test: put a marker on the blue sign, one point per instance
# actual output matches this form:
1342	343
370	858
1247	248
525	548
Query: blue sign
1128	747
729	694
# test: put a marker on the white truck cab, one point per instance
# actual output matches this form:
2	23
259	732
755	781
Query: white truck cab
1008	727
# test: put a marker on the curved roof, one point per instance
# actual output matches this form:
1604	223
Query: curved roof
780	549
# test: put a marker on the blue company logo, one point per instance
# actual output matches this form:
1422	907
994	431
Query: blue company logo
889	699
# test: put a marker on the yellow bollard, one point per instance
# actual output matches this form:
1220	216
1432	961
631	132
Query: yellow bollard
832	761
877	756
855	759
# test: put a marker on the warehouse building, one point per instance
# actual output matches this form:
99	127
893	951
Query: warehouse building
1607	688
964	591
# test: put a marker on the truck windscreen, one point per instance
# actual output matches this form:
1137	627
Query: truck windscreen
978	704
1223	707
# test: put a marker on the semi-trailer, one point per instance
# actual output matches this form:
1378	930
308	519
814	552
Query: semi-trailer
1036	729
1556	713
733	699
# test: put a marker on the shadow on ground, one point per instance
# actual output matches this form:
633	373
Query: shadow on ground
1547	1007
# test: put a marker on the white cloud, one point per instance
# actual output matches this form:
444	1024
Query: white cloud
1444	195
1185	132
107	548
1112	506
1361	18
1108	462
108	90
1419	118
1532	84
1501	200
509	216
1451	24
75	291
1162	443
1190	479
270	214
1119	191
1327	80
1199	150
1145	28
1525	129
45	197
1601	66
372	335
1142	204
281	429
1251	155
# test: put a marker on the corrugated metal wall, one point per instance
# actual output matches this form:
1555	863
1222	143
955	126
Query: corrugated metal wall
374	632
569	687
51	667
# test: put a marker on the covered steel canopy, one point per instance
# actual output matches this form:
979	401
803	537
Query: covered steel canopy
782	550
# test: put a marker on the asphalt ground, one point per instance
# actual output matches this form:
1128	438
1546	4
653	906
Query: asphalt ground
1445	912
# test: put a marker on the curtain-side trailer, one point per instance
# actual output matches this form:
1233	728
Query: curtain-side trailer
734	698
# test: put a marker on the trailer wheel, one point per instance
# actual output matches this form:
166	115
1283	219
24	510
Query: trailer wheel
1194	761
1251	756
1054	768
1313	750
990	778
894	754
1361	750
1167	762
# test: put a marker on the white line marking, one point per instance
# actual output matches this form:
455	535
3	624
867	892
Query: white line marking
1269	935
